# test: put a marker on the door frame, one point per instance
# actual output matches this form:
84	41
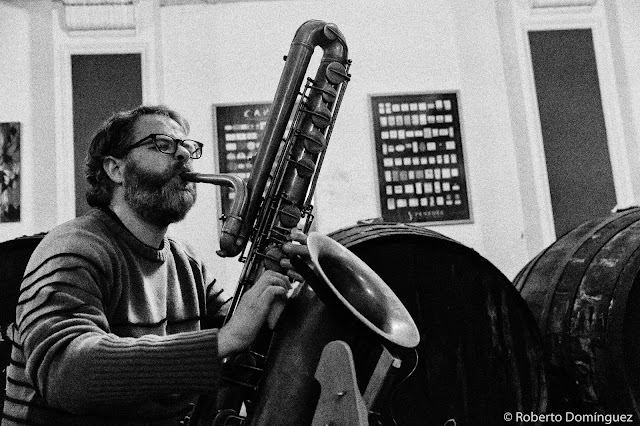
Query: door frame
144	41
528	18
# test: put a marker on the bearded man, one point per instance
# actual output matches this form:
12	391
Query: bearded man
108	326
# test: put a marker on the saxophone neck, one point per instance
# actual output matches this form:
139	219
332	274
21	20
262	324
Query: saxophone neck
230	243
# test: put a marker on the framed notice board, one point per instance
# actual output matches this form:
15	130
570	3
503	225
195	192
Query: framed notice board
421	169
238	129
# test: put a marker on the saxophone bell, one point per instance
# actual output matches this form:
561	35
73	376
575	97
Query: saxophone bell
361	290
342	299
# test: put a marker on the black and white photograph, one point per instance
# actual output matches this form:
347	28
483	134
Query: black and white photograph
9	172
320	212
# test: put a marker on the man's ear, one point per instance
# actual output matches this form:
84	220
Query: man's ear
114	167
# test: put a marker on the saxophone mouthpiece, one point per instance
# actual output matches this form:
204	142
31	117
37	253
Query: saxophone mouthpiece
189	176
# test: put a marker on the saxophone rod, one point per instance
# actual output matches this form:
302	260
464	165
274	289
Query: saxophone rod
336	108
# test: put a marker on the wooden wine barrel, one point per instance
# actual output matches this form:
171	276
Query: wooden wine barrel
583	291
480	353
14	255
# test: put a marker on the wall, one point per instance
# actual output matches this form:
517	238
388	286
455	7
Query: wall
14	95
623	17
205	54
411	47
490	140
27	96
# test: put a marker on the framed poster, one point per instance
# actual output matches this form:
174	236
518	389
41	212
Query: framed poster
238	129
9	172
420	158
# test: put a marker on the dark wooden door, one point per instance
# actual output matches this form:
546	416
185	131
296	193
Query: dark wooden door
573	127
101	85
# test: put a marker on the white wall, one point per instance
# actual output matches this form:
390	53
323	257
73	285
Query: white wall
14	94
205	54
411	47
495	192
26	95
623	17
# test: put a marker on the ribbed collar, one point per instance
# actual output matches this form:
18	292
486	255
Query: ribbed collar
115	225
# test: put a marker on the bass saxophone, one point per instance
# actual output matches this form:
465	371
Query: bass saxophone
277	197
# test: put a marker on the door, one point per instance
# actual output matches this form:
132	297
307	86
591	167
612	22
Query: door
101	85
573	127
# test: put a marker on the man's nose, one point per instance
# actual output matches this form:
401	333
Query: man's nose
182	154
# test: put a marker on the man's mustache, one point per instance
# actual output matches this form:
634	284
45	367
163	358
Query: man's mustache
164	179
180	168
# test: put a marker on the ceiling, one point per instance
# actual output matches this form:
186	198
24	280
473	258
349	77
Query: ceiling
180	2
162	2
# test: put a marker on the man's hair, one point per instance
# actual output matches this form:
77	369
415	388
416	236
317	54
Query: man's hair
111	139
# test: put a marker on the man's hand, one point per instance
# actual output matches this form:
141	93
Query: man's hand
264	301
270	290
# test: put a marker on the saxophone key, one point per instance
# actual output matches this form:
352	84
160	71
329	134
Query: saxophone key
305	167
336	73
321	117
314	141
289	216
272	258
328	92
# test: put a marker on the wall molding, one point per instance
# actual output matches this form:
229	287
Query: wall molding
100	15
144	41
547	4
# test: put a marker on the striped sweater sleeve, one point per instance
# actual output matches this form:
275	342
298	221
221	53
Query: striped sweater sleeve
73	359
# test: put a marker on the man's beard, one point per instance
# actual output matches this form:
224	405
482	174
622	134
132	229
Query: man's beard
158	198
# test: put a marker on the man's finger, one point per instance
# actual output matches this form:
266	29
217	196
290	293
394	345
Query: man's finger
298	235
292	249
275	292
294	276
286	263
271	278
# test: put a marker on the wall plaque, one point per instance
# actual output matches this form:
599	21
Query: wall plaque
238	129
420	160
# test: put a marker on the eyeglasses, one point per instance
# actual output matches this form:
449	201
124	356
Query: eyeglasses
169	145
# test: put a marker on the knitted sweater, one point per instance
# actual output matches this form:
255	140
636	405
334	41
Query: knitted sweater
108	330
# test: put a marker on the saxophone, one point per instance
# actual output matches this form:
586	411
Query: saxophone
270	215
276	199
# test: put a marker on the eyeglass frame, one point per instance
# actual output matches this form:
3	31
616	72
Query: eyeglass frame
178	142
